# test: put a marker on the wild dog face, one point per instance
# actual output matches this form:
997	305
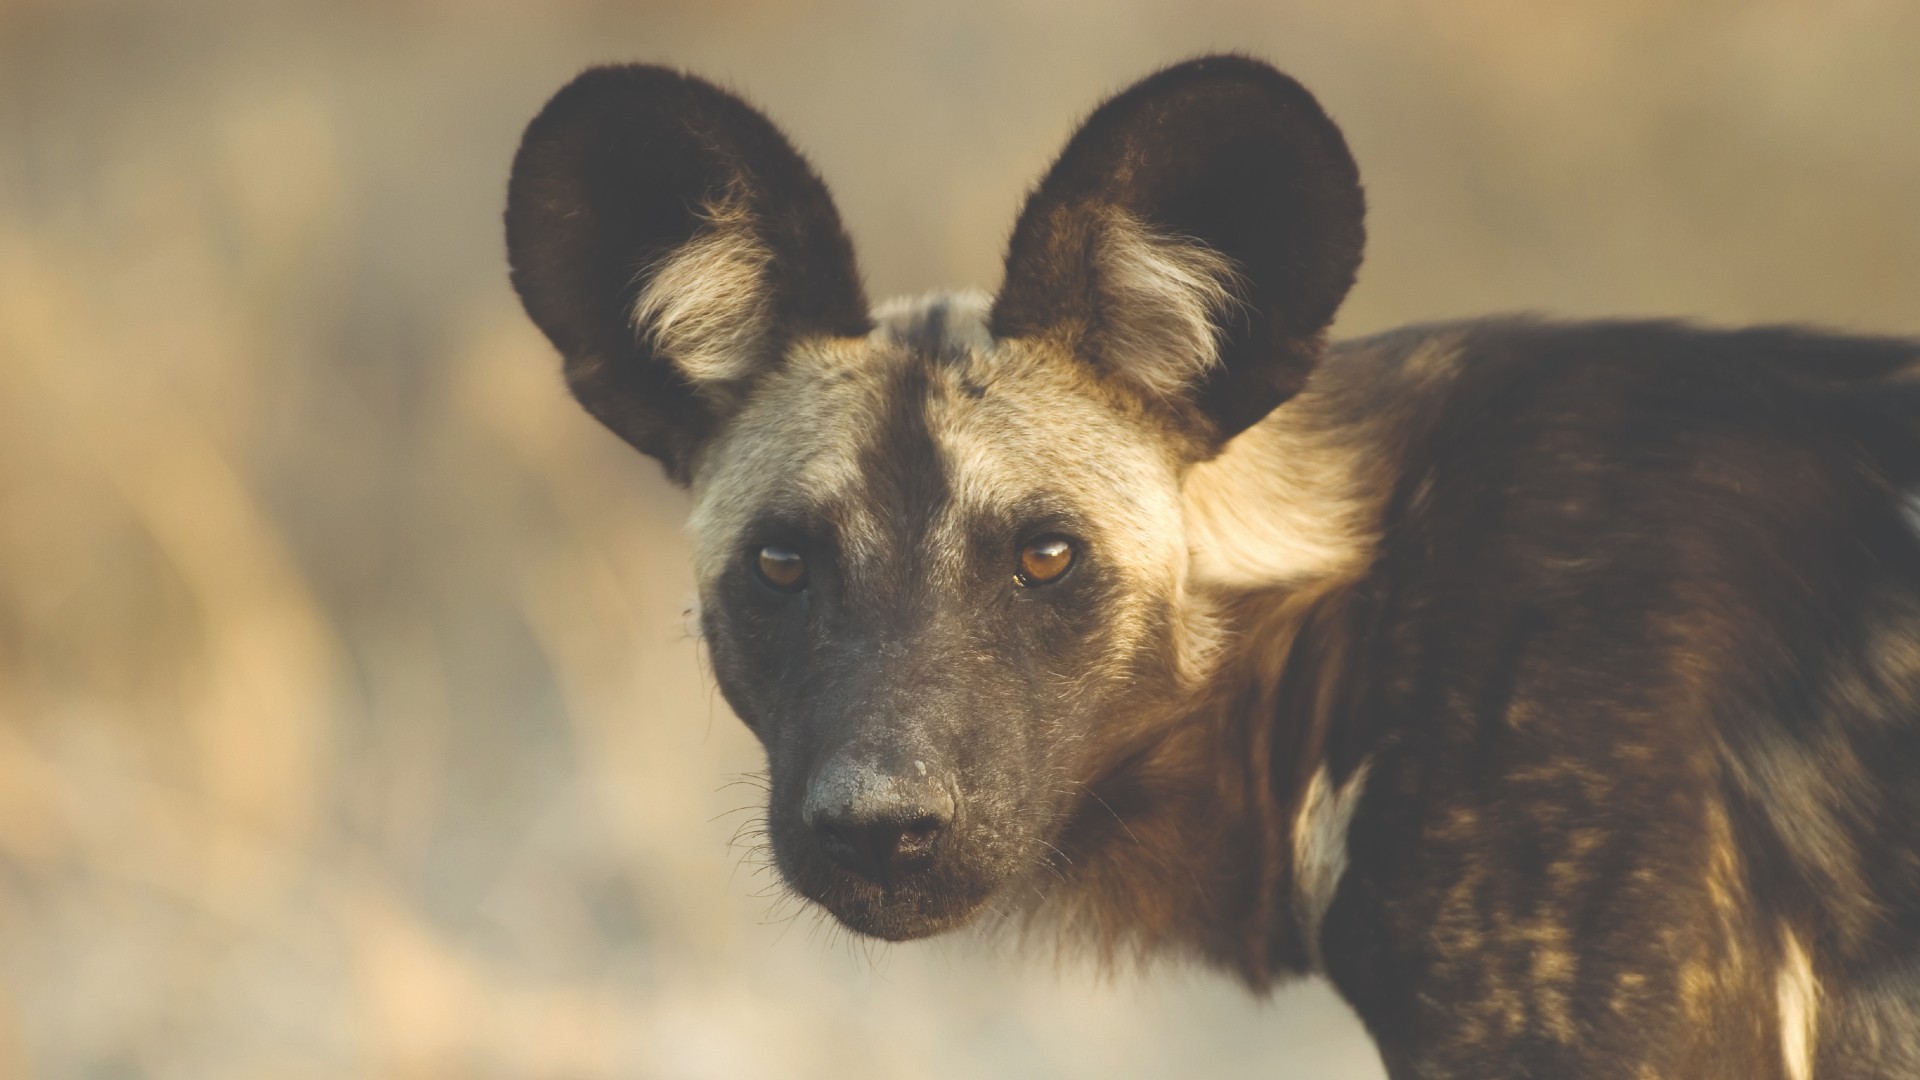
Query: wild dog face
940	551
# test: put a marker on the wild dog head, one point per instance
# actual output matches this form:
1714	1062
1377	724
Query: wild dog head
939	546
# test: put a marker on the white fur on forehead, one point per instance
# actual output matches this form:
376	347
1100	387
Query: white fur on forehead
801	432
707	308
1002	448
812	417
955	321
1163	298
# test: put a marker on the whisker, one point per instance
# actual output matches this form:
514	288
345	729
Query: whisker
1089	789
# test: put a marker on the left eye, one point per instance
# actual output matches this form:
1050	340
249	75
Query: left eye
782	568
1044	560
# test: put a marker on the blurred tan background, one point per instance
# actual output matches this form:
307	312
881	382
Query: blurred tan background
349	723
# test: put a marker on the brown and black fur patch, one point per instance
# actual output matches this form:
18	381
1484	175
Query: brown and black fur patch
1552	689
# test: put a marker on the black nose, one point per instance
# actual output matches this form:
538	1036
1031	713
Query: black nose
880	851
879	824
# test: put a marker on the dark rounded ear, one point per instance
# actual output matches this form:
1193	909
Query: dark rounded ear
670	243
1195	237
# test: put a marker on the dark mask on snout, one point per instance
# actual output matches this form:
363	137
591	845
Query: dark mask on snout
904	782
914	665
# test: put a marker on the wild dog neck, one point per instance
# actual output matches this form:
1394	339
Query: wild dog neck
1225	803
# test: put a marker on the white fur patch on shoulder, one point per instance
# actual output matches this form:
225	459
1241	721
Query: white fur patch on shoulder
1320	849
1165	294
707	309
1910	509
1798	998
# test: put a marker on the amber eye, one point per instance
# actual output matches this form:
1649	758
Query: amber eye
1044	560
782	568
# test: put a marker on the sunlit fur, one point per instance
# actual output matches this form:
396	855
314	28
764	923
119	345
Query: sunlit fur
1799	1003
1320	849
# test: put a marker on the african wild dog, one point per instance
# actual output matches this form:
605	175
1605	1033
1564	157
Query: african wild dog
1551	688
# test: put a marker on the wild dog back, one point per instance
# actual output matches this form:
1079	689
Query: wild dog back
1552	689
1633	696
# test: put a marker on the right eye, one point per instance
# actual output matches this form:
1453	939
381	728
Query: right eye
781	567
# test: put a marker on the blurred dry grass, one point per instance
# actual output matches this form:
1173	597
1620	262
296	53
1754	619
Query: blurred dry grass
348	725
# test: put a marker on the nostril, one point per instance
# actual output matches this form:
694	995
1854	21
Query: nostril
915	844
843	842
881	851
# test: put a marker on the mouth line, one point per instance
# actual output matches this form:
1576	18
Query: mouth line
921	928
895	912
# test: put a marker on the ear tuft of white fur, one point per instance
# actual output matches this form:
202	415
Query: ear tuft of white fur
1165	296
707	308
